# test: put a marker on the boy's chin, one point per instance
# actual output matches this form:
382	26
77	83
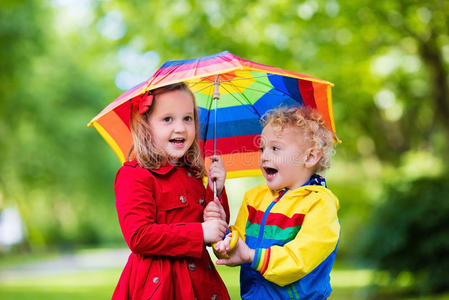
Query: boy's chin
274	186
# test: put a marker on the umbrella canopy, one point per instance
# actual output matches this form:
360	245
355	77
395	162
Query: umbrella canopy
230	125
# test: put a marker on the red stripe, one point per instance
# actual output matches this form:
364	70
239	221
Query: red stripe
233	144
254	216
283	221
306	89
278	219
124	111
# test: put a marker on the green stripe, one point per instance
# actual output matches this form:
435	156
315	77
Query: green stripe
290	294
295	291
272	232
258	256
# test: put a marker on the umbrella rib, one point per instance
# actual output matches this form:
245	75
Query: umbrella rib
256	90
244	104
245	78
201	88
207	126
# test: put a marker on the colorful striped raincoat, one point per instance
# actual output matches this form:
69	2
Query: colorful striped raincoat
295	236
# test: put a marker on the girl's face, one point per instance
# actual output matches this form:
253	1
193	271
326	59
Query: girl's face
283	156
172	123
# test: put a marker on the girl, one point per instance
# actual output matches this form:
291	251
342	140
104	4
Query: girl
160	199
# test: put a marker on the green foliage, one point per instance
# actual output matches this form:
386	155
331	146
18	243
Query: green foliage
58	70
409	232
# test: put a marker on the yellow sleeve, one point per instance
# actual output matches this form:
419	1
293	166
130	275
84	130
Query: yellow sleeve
242	217
315	241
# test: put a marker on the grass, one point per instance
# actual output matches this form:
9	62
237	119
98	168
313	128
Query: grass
347	284
82	285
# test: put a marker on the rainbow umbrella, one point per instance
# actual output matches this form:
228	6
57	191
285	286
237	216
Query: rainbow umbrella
232	94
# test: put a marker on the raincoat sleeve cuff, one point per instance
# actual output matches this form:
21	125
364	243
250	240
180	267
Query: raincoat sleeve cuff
261	260
195	244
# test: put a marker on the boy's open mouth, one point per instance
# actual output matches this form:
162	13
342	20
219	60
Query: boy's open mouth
270	171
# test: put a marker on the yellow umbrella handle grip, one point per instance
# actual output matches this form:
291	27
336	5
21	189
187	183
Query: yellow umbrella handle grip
232	243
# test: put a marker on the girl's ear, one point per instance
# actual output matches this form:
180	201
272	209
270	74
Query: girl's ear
313	156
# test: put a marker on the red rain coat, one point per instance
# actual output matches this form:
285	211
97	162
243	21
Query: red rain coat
160	213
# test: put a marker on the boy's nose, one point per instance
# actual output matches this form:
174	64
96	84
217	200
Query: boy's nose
263	156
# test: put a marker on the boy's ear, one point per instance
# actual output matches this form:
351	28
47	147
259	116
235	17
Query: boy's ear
313	156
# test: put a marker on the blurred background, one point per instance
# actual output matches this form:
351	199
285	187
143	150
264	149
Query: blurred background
62	61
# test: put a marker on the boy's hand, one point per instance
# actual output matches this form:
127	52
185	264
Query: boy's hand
224	246
217	173
214	210
213	230
240	254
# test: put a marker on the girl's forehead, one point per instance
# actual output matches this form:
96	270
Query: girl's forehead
174	101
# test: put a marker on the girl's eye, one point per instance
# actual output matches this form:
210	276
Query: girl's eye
275	148
167	119
261	149
188	118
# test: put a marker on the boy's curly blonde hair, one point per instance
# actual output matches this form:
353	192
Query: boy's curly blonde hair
311	122
145	151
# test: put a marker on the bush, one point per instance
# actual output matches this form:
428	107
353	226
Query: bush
409	232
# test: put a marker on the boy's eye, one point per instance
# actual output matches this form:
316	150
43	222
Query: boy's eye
276	148
167	119
188	119
261	149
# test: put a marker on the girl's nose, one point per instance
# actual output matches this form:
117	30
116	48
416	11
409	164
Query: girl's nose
180	127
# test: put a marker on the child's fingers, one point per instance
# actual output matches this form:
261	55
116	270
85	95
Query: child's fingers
221	261
216	159
213	216
225	261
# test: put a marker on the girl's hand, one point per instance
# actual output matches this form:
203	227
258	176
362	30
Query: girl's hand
217	173
239	255
214	210
213	230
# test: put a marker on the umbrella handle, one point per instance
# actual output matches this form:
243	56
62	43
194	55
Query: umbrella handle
232	244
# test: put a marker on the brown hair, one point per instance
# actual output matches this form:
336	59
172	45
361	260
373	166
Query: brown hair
311	122
145	151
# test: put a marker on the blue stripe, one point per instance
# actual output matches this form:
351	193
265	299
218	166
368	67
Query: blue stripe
251	241
268	101
274	99
287	85
230	129
264	219
230	113
262	224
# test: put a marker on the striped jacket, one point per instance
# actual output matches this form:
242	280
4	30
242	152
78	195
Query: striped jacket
295	237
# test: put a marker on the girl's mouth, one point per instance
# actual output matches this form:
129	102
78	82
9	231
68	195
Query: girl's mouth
178	142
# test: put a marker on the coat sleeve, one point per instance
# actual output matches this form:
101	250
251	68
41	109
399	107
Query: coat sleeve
136	209
315	241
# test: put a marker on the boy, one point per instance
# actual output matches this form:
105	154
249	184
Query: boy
289	227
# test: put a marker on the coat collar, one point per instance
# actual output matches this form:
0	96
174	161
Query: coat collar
162	170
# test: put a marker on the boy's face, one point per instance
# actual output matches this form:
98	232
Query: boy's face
283	156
